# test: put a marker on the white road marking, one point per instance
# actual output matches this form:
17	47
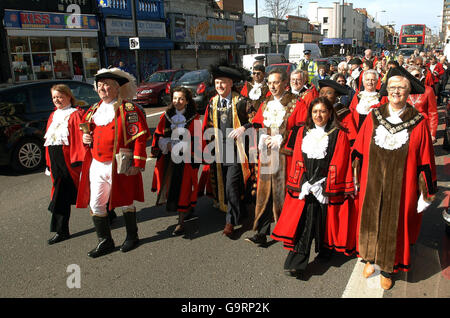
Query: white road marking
360	287
155	114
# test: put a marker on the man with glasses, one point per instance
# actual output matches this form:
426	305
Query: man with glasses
257	91
301	88
393	158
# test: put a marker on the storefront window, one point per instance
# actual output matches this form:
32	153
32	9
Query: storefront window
90	43
39	44
21	64
18	44
61	64
75	43
58	43
42	66
90	58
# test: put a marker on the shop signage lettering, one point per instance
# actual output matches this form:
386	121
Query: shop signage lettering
43	20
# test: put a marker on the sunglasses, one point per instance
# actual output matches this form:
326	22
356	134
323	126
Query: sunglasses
257	73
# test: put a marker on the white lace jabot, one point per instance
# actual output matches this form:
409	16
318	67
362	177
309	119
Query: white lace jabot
58	132
104	114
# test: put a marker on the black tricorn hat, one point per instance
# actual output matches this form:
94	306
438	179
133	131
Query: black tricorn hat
223	69
340	89
416	86
355	60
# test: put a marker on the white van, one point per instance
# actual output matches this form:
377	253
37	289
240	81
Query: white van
294	51
269	58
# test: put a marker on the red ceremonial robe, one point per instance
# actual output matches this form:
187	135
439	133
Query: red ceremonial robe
339	183
74	152
130	131
393	180
426	104
359	119
187	187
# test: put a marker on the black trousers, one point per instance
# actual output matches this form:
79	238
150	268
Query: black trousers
311	227
266	219
234	188
65	192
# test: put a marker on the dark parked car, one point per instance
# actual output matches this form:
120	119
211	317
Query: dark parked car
24	111
200	84
153	89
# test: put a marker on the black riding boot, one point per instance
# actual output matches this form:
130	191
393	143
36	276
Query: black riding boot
105	241
132	239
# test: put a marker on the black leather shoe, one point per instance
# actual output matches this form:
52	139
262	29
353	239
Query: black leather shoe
129	244
104	247
259	239
58	238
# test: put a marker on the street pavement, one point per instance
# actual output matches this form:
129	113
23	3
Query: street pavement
201	264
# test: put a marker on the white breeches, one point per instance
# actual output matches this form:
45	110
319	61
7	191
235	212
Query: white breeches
100	175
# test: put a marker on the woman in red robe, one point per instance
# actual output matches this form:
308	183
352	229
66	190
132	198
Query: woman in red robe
177	182
64	153
398	178
319	179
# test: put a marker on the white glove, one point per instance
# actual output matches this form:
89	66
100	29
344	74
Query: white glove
47	172
316	189
422	205
262	141
163	145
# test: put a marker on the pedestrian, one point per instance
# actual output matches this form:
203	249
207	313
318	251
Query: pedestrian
347	98
116	156
364	101
320	177
394	160
277	116
368	56
229	172
322	74
64	153
355	72
176	181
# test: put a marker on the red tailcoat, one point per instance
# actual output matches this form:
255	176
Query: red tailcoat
426	104
437	73
130	131
339	183
189	182
398	180
74	152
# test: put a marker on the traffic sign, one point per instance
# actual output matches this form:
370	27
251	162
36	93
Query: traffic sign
134	44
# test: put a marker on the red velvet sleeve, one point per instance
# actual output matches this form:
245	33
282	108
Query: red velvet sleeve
433	119
77	149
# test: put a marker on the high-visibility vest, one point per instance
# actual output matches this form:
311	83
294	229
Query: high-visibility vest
312	69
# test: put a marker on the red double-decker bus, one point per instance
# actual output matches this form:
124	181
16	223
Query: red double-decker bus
412	36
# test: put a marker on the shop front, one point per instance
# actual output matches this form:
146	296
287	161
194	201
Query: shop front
154	45
46	45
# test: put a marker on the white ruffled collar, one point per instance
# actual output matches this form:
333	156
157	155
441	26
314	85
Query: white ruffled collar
178	120
274	114
315	143
255	92
58	132
367	100
386	140
104	114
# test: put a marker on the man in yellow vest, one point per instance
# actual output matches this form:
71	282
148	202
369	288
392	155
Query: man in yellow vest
307	64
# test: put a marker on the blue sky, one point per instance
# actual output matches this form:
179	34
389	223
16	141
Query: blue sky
397	11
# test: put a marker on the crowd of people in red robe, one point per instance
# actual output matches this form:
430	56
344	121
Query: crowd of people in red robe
356	155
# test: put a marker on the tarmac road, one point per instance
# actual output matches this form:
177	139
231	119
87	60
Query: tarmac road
201	264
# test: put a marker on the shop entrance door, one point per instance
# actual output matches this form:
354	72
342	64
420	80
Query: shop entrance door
77	64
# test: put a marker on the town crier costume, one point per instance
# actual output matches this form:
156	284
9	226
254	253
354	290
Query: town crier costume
117	139
397	178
